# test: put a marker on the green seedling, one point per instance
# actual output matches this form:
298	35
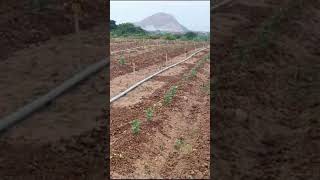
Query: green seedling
149	113
135	126
179	142
193	72
169	95
122	61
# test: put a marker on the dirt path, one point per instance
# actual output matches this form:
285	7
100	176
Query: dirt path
151	153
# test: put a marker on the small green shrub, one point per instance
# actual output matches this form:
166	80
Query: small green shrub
122	61
193	72
169	95
149	113
179	142
135	126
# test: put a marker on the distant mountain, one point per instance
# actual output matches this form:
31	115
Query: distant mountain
162	22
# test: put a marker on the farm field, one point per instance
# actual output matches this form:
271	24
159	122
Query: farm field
148	56
173	109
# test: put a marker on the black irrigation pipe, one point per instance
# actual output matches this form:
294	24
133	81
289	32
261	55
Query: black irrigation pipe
151	76
220	4
25	111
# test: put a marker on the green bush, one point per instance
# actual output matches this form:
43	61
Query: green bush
149	113
169	95
179	142
122	61
135	126
128	29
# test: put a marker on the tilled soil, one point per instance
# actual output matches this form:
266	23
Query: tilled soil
66	138
151	153
122	82
32	72
22	25
265	87
156	56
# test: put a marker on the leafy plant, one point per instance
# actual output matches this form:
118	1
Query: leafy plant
169	95
149	113
193	72
135	126
122	61
179	142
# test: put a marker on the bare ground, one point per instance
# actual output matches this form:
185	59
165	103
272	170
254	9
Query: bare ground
151	153
65	139
265	117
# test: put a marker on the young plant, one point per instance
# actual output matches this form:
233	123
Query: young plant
135	126
149	113
122	61
193	72
169	95
179	142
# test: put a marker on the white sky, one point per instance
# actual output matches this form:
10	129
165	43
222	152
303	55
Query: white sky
194	15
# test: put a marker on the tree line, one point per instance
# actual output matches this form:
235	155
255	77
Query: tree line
130	30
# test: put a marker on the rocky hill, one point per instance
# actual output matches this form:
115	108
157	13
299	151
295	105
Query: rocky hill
162	22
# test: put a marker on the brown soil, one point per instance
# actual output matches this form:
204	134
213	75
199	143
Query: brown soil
21	25
122	82
65	139
265	119
35	71
151	153
145	59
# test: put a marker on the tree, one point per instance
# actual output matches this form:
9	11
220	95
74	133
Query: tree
126	29
113	25
190	35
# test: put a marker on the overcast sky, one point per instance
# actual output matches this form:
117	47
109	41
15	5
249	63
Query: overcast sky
194	15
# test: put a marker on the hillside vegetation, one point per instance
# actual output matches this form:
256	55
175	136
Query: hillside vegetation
130	30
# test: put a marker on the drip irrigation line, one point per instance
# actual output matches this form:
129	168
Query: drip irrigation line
16	117
151	76
220	4
133	49
22	113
